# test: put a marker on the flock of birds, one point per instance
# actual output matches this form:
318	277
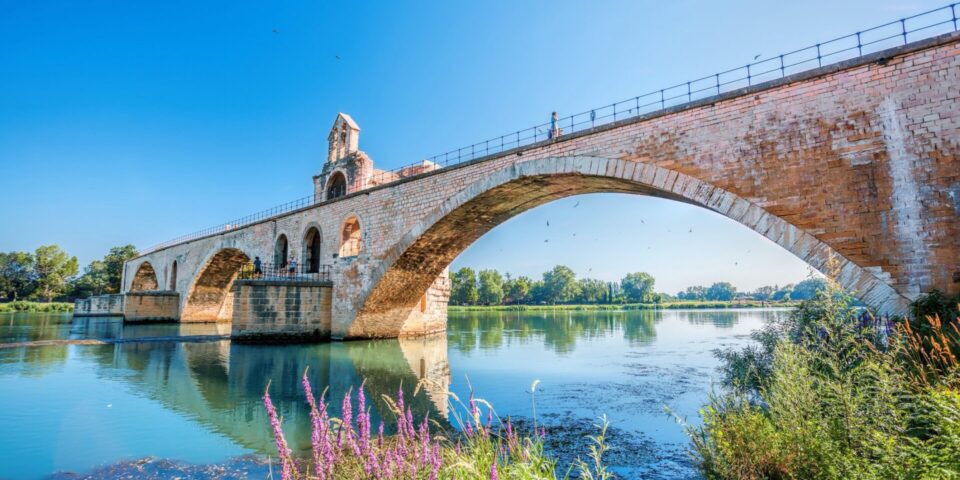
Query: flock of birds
547	240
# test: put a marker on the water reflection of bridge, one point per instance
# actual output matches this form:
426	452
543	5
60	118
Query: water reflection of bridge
219	385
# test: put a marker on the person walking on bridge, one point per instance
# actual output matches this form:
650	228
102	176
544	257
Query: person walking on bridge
554	126
292	268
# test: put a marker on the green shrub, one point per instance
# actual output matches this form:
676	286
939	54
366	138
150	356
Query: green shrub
827	394
37	307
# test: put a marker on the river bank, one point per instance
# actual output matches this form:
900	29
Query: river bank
36	307
681	305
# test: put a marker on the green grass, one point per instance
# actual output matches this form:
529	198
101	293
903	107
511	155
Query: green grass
678	305
36	307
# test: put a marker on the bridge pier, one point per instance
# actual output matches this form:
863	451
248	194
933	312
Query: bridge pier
281	310
156	306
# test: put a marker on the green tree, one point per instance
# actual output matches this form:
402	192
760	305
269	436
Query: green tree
693	293
518	290
113	266
52	269
560	285
463	288
782	293
92	282
807	289
538	292
721	291
764	293
593	291
638	287
491	287
103	276
16	275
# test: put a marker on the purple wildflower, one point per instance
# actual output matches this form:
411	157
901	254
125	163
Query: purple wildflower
282	450
347	425
493	471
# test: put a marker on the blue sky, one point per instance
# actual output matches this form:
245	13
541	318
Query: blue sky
135	122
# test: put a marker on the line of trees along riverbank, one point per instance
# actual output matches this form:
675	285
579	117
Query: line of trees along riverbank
49	273
560	285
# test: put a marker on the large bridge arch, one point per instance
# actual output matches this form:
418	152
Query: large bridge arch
210	297
412	265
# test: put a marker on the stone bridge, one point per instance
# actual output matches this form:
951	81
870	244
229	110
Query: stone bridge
855	161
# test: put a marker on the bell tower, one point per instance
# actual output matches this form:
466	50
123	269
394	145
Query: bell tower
344	138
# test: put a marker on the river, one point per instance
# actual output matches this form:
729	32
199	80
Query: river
78	408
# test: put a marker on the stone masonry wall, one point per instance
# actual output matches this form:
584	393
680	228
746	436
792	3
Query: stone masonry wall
99	306
151	307
281	310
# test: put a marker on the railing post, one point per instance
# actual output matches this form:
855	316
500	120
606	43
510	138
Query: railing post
819	61
783	71
859	46
614	112
903	28
953	13
749	80
717	76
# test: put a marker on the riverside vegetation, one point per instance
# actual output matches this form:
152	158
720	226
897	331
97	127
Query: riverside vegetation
49	273
560	286
834	393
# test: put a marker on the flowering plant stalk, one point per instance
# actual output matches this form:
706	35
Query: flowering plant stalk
486	447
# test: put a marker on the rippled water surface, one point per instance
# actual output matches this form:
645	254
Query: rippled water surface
76	408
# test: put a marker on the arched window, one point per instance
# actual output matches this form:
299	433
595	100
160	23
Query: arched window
351	238
337	186
173	276
311	250
280	252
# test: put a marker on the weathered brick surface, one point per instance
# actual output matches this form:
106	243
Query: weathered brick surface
858	162
281	310
151	307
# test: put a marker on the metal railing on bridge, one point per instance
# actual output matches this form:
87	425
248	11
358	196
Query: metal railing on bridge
285	272
871	40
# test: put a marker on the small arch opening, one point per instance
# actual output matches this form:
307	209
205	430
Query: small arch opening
145	279
351	238
337	186
173	276
280	252
311	250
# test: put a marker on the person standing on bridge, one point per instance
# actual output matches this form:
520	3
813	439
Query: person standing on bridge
292	268
554	126
257	267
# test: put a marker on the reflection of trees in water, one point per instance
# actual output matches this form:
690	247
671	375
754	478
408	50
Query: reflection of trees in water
220	385
559	330
727	318
717	318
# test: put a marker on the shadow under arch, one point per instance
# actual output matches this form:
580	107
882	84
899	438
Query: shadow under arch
145	279
210	298
411	266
